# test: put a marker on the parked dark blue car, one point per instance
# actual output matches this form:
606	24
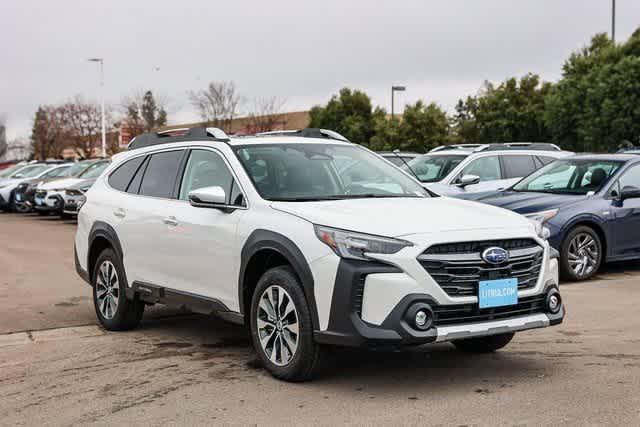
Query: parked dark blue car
589	203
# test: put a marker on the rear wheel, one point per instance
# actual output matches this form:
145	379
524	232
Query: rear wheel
581	254
281	327
484	344
114	311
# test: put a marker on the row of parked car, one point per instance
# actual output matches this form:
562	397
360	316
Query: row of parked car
589	203
48	188
312	241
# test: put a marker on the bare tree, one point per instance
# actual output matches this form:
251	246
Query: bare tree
83	125
266	115
217	104
48	134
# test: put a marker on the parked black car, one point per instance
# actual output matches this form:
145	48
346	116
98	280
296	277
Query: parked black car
589	203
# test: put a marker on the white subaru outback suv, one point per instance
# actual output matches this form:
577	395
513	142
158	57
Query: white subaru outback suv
275	233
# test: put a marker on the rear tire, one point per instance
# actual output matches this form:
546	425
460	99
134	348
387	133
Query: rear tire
281	327
114	311
486	344
580	254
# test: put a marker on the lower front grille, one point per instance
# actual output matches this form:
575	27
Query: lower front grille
459	267
447	315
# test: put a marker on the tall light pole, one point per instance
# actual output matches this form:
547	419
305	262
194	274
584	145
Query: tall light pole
100	61
613	21
395	89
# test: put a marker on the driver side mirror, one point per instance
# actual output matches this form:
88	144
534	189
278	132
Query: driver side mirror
208	197
468	180
629	193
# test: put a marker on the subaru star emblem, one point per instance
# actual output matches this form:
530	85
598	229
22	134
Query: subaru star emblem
495	255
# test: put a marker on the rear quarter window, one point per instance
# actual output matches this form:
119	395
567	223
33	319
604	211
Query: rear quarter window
122	176
161	173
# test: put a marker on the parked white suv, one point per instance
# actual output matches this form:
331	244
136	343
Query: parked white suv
266	232
470	170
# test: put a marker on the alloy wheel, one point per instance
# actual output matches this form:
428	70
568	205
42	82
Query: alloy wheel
583	254
107	290
277	325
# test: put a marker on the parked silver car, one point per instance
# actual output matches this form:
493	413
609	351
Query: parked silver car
460	170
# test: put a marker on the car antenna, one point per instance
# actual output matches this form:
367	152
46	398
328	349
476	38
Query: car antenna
395	153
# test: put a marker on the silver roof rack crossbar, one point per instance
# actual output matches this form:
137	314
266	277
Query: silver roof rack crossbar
307	133
177	135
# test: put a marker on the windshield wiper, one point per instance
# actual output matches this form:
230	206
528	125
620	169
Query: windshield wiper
340	197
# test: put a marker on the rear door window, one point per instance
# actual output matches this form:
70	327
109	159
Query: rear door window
122	176
518	166
161	173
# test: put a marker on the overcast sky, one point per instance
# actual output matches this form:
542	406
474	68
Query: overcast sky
301	51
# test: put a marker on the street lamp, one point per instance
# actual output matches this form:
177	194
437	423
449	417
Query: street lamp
100	61
395	89
613	21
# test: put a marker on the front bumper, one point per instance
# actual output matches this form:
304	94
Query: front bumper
371	302
71	204
50	202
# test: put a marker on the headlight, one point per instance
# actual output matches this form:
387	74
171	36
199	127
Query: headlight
539	219
542	216
349	244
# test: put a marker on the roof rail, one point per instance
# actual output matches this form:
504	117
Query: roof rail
456	147
307	133
177	135
536	146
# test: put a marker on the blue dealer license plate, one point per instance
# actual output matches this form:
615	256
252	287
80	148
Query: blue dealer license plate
498	293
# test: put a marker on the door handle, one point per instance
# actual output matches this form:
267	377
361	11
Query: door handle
170	220
119	213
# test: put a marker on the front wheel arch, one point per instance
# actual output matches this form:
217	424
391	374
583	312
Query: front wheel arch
282	249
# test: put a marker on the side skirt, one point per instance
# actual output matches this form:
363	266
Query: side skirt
155	294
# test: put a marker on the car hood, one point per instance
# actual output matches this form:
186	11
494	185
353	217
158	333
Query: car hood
83	184
443	189
403	216
8	182
59	183
529	202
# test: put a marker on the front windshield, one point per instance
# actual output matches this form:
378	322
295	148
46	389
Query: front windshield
57	172
570	176
31	171
94	170
78	168
313	171
433	167
11	169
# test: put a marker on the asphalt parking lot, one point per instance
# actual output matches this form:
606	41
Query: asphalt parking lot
57	367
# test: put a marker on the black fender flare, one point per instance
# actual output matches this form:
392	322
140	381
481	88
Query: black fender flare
101	229
264	239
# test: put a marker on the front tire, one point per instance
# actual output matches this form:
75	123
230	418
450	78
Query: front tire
114	311
486	344
281	327
581	254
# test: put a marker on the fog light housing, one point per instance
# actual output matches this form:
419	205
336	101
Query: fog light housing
420	316
554	301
